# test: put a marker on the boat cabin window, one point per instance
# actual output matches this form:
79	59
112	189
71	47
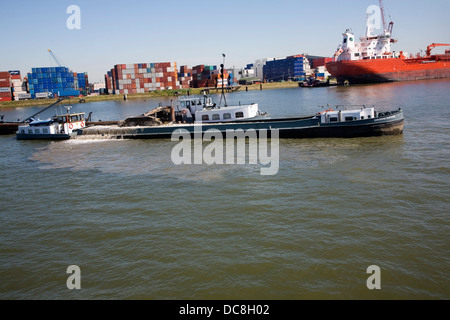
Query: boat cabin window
205	117
216	117
30	131
333	119
226	116
369	116
36	130
45	130
239	114
349	118
22	131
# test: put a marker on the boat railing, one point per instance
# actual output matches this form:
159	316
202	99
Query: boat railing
348	106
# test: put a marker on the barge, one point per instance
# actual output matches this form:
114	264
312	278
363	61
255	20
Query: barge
344	122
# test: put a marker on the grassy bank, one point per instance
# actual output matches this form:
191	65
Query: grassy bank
154	94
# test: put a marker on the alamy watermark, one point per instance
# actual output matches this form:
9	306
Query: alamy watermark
74	280
73	22
373	17
374	281
231	150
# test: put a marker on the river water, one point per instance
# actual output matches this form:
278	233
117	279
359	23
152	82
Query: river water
140	227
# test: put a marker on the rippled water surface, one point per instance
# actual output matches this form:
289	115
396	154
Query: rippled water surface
140	227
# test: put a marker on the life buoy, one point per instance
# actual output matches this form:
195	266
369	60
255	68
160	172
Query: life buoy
184	112
82	124
70	126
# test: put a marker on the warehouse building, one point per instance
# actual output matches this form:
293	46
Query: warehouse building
289	68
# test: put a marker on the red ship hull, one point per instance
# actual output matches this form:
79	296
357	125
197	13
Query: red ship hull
390	69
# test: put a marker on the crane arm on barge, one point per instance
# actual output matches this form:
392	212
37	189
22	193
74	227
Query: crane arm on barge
46	108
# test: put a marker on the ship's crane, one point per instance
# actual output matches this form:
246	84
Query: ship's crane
54	57
433	45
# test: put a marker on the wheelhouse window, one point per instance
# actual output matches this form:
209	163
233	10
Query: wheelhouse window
239	114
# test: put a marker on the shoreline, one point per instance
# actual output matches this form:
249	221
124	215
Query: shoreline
153	94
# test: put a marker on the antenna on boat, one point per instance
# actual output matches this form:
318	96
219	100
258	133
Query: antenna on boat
222	73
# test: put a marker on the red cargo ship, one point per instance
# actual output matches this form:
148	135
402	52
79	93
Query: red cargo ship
371	60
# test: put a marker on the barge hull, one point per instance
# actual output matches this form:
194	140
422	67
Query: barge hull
287	129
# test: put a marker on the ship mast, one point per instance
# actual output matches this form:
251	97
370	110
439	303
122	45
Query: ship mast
382	16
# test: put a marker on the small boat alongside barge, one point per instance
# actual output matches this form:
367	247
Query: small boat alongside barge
58	127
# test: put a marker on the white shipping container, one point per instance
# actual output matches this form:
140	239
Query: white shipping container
125	91
124	77
42	95
120	86
170	69
169	79
129	66
5	89
23	96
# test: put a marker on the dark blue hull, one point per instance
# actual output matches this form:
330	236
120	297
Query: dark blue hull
24	136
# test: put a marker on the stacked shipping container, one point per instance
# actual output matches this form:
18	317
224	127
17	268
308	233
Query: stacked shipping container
19	87
5	86
185	77
146	77
209	77
143	77
109	82
59	81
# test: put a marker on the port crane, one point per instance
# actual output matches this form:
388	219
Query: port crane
54	58
433	45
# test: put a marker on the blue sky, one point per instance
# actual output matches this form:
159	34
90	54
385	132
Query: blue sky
198	32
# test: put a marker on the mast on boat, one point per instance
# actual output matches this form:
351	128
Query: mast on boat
222	71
